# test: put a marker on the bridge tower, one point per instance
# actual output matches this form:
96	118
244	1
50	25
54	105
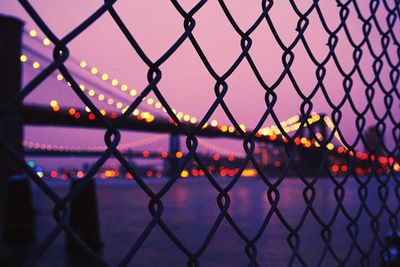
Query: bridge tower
310	159
317	127
171	164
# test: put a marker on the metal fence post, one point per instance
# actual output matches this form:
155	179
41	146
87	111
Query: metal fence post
16	213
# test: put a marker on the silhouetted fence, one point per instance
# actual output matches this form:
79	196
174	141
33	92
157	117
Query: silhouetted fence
381	158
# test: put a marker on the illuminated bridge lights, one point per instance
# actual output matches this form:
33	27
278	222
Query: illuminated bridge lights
289	125
91	92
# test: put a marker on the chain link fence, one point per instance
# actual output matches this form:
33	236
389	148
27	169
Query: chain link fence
380	161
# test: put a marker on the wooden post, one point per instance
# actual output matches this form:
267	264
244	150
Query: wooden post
16	213
84	218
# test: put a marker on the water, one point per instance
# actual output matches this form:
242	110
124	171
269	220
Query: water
191	209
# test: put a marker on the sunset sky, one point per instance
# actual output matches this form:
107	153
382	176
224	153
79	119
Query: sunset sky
186	83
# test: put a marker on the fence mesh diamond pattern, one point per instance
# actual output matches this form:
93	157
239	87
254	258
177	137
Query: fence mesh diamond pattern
381	158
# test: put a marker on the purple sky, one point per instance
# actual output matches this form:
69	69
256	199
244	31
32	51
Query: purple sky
186	84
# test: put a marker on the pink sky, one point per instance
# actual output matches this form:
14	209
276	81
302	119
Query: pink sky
186	84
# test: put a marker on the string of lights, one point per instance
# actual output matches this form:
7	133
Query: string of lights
289	125
122	147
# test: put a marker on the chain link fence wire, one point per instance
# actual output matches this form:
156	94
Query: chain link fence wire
384	124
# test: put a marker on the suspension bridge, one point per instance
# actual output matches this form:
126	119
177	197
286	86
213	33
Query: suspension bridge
100	87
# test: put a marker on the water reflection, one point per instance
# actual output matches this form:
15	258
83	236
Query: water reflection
190	210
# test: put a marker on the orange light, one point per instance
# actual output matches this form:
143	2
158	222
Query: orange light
249	173
307	144
178	154
71	111
272	137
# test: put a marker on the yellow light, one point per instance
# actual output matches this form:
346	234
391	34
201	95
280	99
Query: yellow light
231	129
53	103
186	117
303	140
101	97
119	105
33	33
316	117
114	82
173	111
184	174
214	123
243	127
94	70
330	146
60	77
204	126
92	92
179	115
193	120
110	101
158	105
150	101
265	131
133	92
36	65
103	112
396	167
104	76
23	58
82	87
224	128
83	64
87	109
124	109
293	119
150	119
145	115
136	112
124	87
46	42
